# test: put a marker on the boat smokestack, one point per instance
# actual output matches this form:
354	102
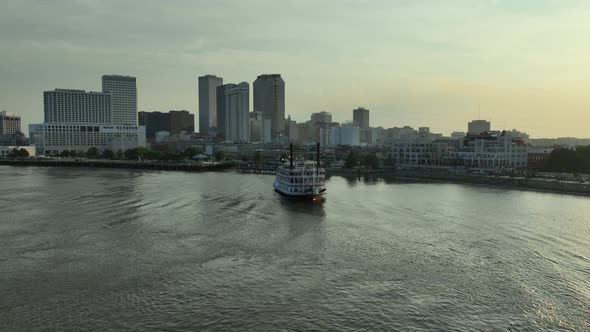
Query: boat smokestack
291	155
318	157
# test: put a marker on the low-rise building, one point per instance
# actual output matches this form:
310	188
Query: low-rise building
6	150
53	138
491	152
410	151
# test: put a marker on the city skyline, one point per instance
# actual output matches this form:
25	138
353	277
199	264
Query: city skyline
522	65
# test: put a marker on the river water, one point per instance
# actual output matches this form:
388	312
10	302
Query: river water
95	249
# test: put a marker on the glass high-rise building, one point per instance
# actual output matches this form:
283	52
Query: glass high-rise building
269	99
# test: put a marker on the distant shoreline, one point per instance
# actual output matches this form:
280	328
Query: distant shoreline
520	183
119	164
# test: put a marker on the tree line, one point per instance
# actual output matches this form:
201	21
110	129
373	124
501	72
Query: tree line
138	154
575	160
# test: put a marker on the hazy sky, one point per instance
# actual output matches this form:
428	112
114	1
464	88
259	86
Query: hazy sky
523	63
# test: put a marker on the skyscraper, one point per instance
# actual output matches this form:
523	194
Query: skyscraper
360	117
233	117
208	102
124	92
9	123
269	99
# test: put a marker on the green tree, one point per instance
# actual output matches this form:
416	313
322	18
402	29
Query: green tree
14	153
73	153
371	160
64	153
108	154
22	153
219	155
130	154
92	153
351	161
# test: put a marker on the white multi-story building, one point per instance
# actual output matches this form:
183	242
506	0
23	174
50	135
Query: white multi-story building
410	151
78	120
77	106
52	138
346	134
233	116
124	98
9	123
5	151
493	152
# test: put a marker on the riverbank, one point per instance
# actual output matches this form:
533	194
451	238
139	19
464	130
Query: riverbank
522	183
123	164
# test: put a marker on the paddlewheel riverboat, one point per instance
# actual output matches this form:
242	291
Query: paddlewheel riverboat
301	179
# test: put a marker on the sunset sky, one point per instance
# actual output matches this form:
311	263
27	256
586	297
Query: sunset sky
524	64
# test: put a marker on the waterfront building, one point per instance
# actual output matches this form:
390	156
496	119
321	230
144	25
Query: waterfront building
269	99
208	85
78	120
537	157
6	150
477	127
53	138
123	90
233	118
410	151
360	117
9	123
491	152
77	106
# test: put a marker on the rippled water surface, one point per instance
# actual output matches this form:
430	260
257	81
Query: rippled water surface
84	249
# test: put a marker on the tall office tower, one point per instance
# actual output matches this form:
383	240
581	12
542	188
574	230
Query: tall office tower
233	118
77	106
9	123
124	91
360	117
477	127
269	99
208	102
